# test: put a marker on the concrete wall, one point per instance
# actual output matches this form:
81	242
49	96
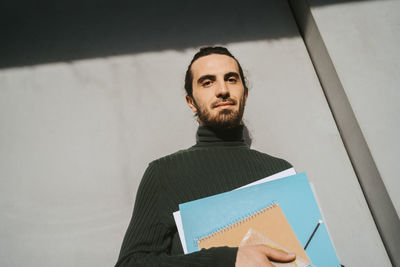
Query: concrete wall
354	50
76	134
362	39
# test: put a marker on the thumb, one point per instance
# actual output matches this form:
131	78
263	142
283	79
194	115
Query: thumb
278	255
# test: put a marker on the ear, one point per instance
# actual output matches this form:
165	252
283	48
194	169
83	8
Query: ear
246	94
191	104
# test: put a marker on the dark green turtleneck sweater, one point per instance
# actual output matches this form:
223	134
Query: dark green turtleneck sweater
219	162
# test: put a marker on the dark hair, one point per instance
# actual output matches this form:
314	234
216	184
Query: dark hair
205	51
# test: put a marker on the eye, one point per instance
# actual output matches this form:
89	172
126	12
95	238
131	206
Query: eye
206	83
232	79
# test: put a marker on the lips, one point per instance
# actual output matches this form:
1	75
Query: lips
224	104
229	102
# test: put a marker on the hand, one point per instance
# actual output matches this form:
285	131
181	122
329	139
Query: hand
259	256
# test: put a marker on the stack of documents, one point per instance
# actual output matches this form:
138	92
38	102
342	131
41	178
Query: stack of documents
283	209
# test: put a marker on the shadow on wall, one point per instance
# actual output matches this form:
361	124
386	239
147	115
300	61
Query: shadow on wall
50	31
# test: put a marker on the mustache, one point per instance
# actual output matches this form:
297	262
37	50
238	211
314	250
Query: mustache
228	100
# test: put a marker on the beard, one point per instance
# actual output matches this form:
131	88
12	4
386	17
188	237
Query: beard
225	118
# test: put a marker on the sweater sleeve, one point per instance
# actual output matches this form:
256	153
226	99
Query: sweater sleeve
148	239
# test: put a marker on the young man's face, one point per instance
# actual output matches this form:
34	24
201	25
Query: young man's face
219	95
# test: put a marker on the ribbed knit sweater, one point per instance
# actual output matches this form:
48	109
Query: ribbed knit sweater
220	161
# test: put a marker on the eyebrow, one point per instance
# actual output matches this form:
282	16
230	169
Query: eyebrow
231	74
213	77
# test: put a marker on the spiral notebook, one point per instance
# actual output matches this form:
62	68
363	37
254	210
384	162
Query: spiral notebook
295	197
269	221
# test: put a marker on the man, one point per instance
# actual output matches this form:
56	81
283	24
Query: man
219	162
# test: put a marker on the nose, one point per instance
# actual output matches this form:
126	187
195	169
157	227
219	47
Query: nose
222	90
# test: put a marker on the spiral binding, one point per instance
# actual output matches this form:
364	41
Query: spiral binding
237	222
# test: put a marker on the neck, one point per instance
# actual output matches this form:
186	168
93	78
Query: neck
209	136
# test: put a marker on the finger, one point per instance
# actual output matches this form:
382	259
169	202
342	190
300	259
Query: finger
278	255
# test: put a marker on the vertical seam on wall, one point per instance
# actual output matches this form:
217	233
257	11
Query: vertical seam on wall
369	178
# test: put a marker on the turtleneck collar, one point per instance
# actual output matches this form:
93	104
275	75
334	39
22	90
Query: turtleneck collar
207	136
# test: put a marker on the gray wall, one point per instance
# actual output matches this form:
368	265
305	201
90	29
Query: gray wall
354	51
86	104
362	39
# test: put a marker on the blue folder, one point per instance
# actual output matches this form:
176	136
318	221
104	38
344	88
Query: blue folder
205	216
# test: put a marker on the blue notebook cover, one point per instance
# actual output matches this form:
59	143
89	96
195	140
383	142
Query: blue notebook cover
294	195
